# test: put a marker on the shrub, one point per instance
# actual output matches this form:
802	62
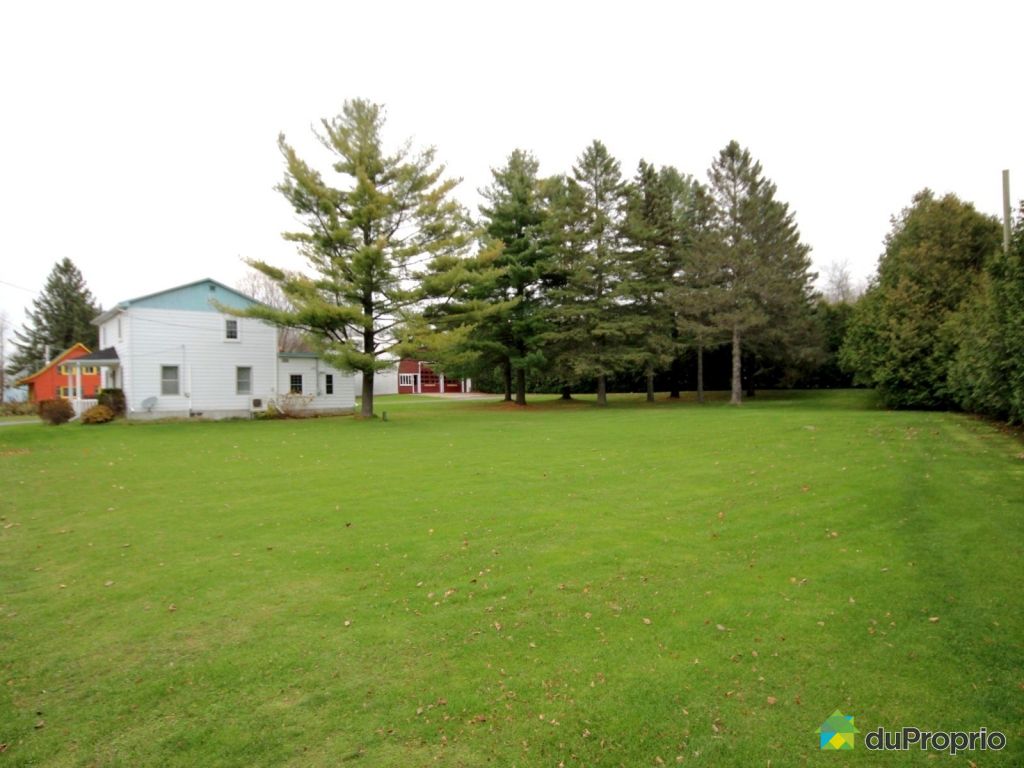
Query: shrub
55	411
98	414
113	399
18	408
292	405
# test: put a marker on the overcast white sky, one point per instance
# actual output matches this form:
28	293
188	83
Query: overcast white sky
139	139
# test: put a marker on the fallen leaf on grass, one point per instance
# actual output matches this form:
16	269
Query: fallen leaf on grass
933	619
772	700
172	607
647	621
108	583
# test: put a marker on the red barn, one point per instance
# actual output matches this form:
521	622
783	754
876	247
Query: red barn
59	380
417	377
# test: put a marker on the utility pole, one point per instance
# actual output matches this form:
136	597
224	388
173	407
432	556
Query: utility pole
1006	211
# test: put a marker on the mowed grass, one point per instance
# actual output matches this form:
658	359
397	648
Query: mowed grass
471	584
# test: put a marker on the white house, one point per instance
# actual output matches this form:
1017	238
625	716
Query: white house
176	354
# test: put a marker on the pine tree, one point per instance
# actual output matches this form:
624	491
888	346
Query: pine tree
514	216
763	268
368	240
590	330
658	231
61	317
699	289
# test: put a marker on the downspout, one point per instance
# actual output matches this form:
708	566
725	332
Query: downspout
188	369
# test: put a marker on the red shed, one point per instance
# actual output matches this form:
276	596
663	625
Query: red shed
417	377
58	380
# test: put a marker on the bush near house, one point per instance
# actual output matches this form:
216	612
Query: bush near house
113	399
98	414
22	408
55	411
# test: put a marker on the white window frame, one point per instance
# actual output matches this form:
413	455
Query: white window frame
407	379
248	380
228	321
291	383
164	381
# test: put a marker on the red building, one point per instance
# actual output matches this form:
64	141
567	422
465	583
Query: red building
59	379
417	377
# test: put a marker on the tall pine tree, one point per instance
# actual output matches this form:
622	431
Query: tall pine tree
514	216
763	268
61	317
658	233
369	241
590	327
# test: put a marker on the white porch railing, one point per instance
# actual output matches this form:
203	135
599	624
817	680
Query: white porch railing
83	405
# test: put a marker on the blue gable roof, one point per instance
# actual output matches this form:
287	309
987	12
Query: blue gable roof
196	297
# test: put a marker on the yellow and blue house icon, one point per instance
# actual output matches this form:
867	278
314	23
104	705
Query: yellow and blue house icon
838	731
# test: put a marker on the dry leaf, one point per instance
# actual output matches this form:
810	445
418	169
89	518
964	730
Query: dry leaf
172	607
772	700
647	621
934	619
720	627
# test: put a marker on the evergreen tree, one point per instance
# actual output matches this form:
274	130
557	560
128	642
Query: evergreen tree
763	269
699	288
61	317
369	241
514	216
933	257
658	232
986	372
589	325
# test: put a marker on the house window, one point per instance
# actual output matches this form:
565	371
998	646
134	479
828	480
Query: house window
295	383
407	379
231	330
63	370
329	383
68	392
169	380
243	381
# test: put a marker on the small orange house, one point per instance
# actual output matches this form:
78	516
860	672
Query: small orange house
59	380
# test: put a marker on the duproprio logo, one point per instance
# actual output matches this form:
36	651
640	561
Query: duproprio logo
837	732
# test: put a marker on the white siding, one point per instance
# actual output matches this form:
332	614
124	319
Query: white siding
314	376
384	382
206	360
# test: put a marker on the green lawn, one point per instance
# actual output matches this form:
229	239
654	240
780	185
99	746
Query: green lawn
470	584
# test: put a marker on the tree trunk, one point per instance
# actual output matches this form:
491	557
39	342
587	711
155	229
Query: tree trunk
602	390
675	370
737	368
700	371
751	367
567	392
508	380
650	385
369	347
520	386
366	411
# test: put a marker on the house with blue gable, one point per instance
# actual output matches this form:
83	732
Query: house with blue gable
177	353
